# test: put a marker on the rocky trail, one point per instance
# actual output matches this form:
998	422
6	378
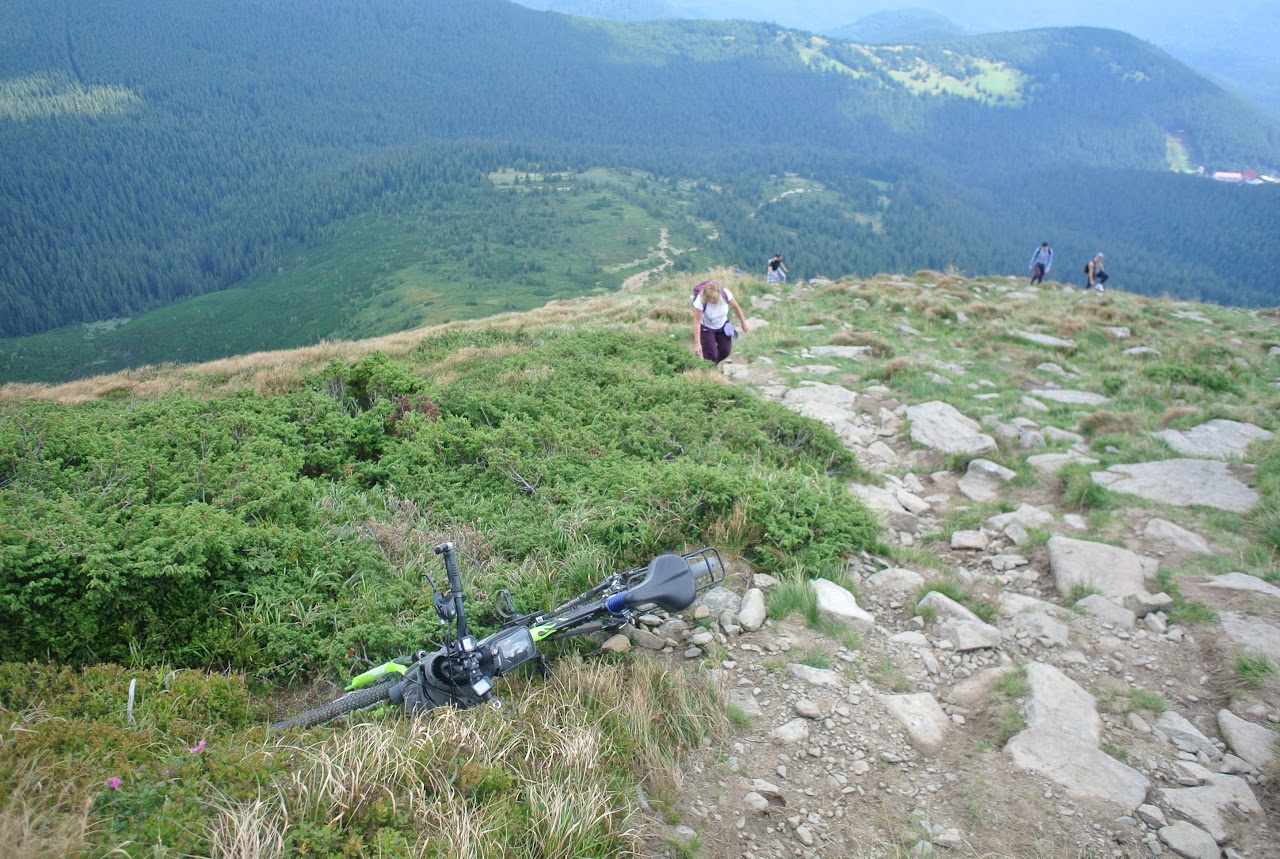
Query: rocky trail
1071	717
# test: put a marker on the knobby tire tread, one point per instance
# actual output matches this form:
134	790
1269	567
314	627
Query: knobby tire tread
356	700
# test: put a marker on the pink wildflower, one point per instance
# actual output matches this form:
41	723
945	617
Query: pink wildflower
197	748
114	782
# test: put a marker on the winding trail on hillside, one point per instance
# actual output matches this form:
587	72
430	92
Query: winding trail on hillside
666	252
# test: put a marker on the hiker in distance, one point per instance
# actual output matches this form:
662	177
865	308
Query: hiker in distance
713	333
1041	262
776	271
1096	273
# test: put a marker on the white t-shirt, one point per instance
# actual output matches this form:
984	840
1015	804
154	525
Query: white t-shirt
714	316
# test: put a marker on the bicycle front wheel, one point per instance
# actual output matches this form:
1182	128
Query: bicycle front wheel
357	700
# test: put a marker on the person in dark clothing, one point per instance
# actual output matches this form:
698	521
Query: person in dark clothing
1041	262
776	272
1096	274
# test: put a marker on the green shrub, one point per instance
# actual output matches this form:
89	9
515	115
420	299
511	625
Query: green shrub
1192	373
271	533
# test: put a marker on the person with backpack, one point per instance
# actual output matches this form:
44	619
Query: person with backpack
776	272
1041	262
1095	274
713	333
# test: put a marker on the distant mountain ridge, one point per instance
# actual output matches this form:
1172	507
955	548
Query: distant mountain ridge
154	155
900	26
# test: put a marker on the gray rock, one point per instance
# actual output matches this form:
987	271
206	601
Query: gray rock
969	635
1217	439
1251	633
1242	582
1251	741
1061	743
1214	805
752	614
1152	816
817	676
1189	841
1143	605
1027	516
809	710
1182	483
1057	703
1177	537
945	608
877	498
983	480
923	719
1051	463
721	599
1105	610
1085	772
617	643
912	503
1042	628
795	731
1031	440
1073	398
976	541
644	638
745	701
1056	434
1045	339
1014	604
837	603
895	579
852	353
1113	571
940	426
1173	728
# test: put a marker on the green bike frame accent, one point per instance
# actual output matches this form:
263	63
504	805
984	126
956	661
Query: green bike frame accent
374	675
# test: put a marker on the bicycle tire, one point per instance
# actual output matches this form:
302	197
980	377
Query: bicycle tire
357	700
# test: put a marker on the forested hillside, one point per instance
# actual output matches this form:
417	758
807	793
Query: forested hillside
151	154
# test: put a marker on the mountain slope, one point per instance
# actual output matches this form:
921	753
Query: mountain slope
152	155
285	503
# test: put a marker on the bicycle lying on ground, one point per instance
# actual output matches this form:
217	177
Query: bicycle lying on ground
461	672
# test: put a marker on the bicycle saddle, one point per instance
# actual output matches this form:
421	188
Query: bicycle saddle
668	584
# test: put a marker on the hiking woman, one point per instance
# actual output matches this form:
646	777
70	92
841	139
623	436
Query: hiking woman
712	331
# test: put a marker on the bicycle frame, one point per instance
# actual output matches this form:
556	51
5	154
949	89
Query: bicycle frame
461	672
605	603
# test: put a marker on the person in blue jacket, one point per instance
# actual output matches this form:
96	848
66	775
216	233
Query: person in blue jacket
1041	262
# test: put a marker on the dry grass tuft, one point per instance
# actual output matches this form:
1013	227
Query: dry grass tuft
986	310
1174	413
1103	421
734	530
880	347
248	830
41	820
896	366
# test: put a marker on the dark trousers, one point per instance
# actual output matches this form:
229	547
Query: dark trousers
716	345
1037	275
